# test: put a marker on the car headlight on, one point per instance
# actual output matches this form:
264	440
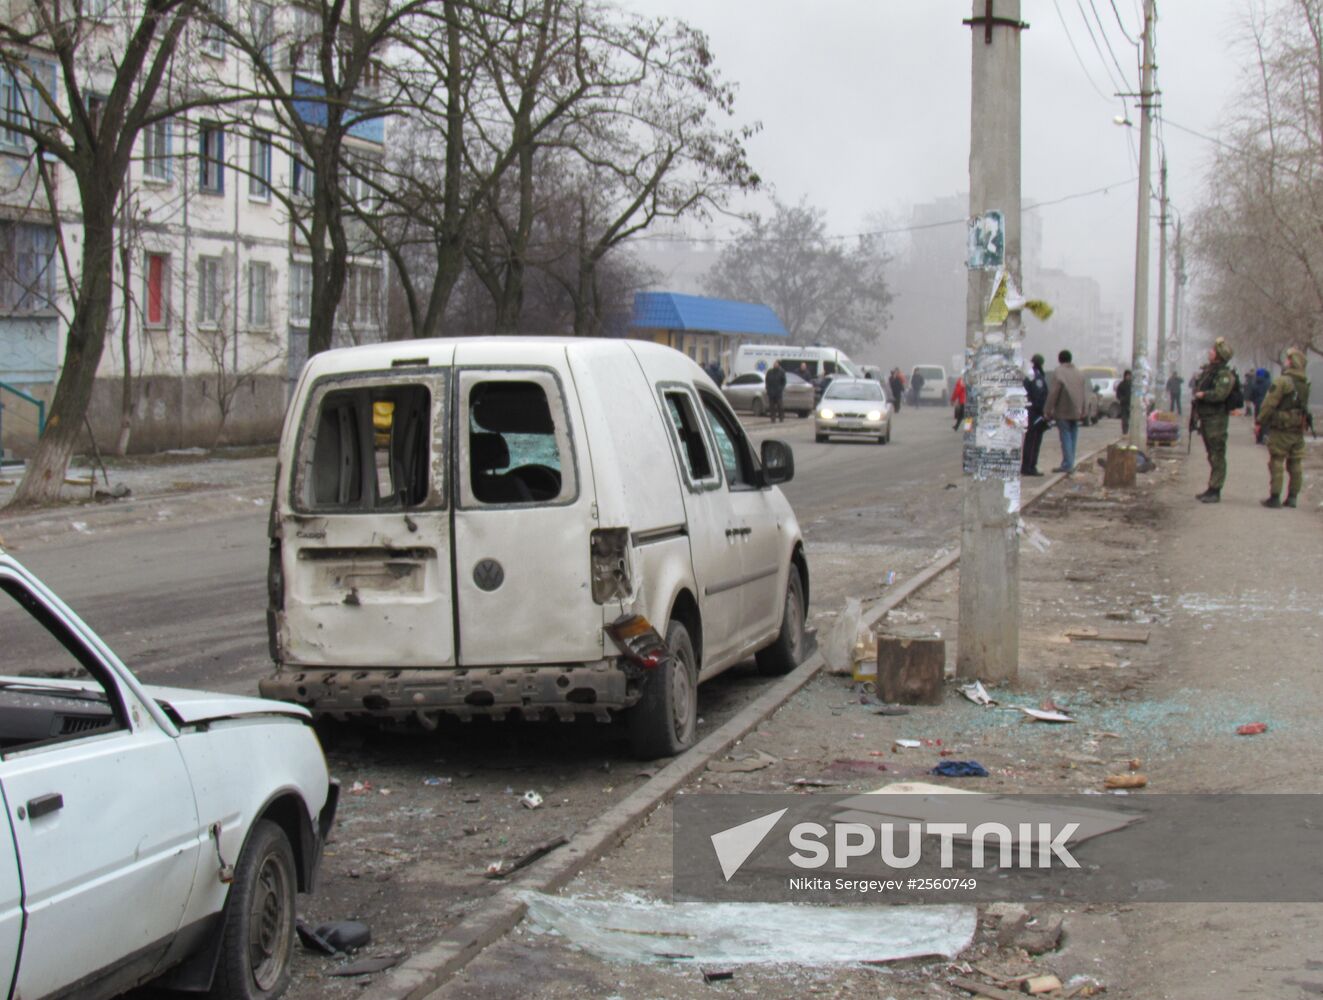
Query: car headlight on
827	414
874	414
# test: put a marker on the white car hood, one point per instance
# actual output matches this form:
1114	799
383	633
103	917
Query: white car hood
191	706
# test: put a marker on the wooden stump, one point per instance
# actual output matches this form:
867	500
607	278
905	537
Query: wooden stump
910	668
1120	468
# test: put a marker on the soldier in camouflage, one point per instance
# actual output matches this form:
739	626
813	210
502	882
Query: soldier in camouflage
1283	416
1211	387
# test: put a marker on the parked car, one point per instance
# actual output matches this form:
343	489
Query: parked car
855	407
151	833
934	385
1108	405
749	392
557	527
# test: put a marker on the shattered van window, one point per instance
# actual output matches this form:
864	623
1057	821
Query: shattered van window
514	456
692	445
369	447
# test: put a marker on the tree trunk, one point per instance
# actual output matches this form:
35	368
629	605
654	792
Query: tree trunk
82	356
126	346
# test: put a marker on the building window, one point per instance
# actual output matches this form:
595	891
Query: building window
362	302
213	35
305	180
300	294
259	166
156	150
211	158
156	276
13	109
27	267
262	25
259	295
210	289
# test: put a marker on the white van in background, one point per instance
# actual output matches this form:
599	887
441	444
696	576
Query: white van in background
819	360
934	388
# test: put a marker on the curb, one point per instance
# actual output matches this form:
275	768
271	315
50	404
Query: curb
428	970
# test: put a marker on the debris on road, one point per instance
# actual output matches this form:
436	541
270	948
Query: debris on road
1112	634
978	694
1125	781
838	648
983	989
366	966
530	799
433	782
1041	984
1252	729
891	710
746	762
816	783
500	869
855	766
1043	715
345	935
729	934
906	744
960	769
1035	936
717	975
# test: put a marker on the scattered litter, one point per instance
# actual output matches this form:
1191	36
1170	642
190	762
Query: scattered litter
731	934
360	787
978	694
909	744
312	940
755	761
500	869
960	769
433	782
345	935
365	966
1041	984
983	989
1125	781
838	648
890	577
844	764
816	783
1110	634
1135	763
1034	536
530	799
1252	729
79	526
118	492
1045	716
891	710
717	975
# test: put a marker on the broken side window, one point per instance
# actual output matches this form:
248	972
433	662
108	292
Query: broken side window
371	447
516	451
693	446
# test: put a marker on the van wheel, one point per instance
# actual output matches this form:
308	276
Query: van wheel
758	407
804	413
820	438
663	722
783	655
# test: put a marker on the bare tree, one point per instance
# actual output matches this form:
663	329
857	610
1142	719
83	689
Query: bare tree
824	289
91	82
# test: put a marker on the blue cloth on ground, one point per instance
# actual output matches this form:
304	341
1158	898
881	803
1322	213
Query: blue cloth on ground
960	769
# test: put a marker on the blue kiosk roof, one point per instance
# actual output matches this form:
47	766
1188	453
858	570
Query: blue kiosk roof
698	314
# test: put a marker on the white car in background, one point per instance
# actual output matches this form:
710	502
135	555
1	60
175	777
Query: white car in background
855	407
1105	390
152	834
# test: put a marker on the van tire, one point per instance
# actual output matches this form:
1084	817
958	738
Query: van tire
784	655
664	721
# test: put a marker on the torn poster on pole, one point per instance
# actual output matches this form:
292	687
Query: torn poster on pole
999	410
986	241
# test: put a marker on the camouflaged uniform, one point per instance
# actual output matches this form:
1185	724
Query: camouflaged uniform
1215	380
1282	417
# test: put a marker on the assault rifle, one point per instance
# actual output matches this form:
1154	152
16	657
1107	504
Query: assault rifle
1194	425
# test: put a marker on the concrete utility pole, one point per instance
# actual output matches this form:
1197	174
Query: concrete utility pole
1139	354
989	641
1176	351
1161	384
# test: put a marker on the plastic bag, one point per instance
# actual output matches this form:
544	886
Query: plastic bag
838	650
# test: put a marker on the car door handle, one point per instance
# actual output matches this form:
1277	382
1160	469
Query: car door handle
45	804
736	532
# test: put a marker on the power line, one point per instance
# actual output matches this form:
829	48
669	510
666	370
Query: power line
1121	23
1121	86
1078	58
1102	30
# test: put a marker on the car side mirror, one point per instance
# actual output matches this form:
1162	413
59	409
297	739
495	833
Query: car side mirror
778	463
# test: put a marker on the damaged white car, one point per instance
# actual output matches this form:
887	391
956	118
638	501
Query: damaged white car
153	833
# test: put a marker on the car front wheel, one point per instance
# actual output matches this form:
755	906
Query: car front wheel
783	655
664	721
758	407
258	941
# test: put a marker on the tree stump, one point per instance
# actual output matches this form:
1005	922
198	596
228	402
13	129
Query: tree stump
1120	468
910	668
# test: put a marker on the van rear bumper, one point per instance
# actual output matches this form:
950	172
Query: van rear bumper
558	690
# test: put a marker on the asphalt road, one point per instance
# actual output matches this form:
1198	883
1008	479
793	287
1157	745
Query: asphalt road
183	601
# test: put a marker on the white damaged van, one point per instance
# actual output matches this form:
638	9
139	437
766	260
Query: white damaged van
527	525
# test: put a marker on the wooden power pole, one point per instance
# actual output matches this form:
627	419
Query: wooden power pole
989	636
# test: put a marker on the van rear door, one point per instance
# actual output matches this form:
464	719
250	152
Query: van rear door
524	513
365	554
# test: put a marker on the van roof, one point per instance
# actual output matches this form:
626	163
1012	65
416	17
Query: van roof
511	349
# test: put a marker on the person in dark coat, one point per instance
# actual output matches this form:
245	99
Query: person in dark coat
897	385
1124	390
776	387
1174	386
1035	386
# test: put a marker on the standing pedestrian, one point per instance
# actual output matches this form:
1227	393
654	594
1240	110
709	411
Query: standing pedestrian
776	387
1174	385
1212	386
916	386
1284	416
897	385
958	397
1124	388
1065	405
1035	387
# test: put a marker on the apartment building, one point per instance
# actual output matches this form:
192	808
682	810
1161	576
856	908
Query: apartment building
212	275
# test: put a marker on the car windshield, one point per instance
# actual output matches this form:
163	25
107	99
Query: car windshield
930	373
870	391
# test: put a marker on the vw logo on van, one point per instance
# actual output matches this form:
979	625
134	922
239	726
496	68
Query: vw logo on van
488	574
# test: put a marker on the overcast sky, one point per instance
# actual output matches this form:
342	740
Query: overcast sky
865	108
